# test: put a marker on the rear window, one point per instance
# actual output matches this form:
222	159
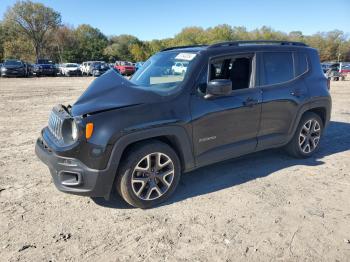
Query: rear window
278	68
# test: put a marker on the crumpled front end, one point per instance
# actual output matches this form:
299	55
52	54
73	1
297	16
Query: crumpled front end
76	166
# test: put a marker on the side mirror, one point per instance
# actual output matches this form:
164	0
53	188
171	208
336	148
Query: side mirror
219	87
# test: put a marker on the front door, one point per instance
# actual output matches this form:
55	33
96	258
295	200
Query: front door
227	126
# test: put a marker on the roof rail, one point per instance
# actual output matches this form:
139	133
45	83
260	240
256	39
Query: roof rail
183	46
255	42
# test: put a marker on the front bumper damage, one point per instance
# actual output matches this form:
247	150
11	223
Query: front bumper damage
72	176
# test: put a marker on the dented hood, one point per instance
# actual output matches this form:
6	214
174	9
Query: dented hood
111	91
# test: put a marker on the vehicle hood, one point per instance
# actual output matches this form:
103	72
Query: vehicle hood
112	91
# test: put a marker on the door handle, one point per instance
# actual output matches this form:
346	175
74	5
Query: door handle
296	93
250	102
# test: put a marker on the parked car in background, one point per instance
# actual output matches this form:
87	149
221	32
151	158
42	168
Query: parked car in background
70	69
45	67
14	67
85	67
98	68
124	67
345	69
30	69
179	68
138	65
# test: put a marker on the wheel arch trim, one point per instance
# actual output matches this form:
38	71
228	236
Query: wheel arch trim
184	148
322	103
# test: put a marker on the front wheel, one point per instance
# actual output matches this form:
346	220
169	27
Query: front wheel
149	175
307	137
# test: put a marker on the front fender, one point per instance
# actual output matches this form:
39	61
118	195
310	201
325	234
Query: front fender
183	148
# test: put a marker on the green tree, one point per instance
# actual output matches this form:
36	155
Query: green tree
330	45
220	33
155	46
34	20
139	52
241	33
296	36
65	44
90	43
2	40
19	48
191	36
120	47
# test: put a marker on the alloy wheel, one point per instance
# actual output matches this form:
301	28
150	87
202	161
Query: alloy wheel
309	136
152	176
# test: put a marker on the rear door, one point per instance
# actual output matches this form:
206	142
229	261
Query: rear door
283	91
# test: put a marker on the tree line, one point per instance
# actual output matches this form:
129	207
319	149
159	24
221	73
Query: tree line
31	30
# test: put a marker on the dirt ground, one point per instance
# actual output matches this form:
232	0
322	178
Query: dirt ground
265	206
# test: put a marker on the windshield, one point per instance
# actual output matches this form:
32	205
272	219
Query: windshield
13	62
99	64
71	65
123	63
163	70
44	61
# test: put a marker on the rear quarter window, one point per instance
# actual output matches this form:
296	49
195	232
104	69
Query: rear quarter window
278	67
301	63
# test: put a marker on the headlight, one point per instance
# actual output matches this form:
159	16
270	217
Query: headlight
75	131
3	69
70	131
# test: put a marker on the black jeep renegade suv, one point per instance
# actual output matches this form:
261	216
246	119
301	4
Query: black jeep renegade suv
228	99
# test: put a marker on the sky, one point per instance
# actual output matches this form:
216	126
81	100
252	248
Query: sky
158	19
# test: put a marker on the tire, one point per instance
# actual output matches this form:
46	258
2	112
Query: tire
306	142
139	183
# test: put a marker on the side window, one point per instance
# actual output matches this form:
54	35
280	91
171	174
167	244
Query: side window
219	69
301	63
278	68
238	69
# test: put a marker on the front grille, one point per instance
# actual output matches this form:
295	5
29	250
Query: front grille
55	125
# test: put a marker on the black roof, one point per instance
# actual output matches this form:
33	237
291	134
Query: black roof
253	43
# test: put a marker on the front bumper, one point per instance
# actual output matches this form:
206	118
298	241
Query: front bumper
72	176
74	73
13	73
98	72
45	71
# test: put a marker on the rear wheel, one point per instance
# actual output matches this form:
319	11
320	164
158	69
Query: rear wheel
307	137
149	174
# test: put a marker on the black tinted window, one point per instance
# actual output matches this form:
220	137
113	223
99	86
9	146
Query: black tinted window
301	64
13	62
278	68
